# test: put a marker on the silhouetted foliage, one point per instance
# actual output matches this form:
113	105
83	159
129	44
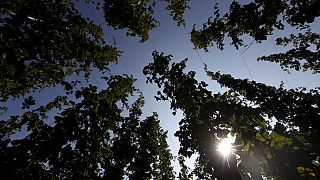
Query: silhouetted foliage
90	139
91	134
137	15
259	19
42	42
287	150
305	54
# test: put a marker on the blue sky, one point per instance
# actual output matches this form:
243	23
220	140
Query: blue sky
171	39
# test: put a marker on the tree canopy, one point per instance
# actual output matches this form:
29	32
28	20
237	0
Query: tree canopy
43	42
90	139
104	134
286	150
137	15
259	19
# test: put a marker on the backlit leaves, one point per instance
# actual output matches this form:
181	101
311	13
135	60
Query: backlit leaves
244	111
304	56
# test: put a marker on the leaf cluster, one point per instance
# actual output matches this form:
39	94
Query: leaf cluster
91	139
257	19
43	42
137	15
245	111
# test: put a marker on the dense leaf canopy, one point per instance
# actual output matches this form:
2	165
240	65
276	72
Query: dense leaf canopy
102	134
89	140
137	15
286	150
43	42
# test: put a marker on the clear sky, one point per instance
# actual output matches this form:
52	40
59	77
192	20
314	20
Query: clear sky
174	40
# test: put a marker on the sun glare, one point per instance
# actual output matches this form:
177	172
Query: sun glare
225	146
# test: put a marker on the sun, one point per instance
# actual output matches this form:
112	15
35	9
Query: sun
225	146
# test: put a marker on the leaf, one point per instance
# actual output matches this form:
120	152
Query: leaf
316	163
260	137
28	102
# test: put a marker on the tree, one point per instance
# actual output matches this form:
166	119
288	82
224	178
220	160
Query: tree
43	42
137	15
259	19
287	150
93	137
303	56
90	139
290	146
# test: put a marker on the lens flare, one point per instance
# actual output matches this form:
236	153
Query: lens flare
225	146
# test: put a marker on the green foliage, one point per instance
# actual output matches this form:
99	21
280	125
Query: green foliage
137	15
88	140
177	9
43	42
198	129
259	19
261	149
152	140
305	54
28	102
298	138
296	108
184	171
100	134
